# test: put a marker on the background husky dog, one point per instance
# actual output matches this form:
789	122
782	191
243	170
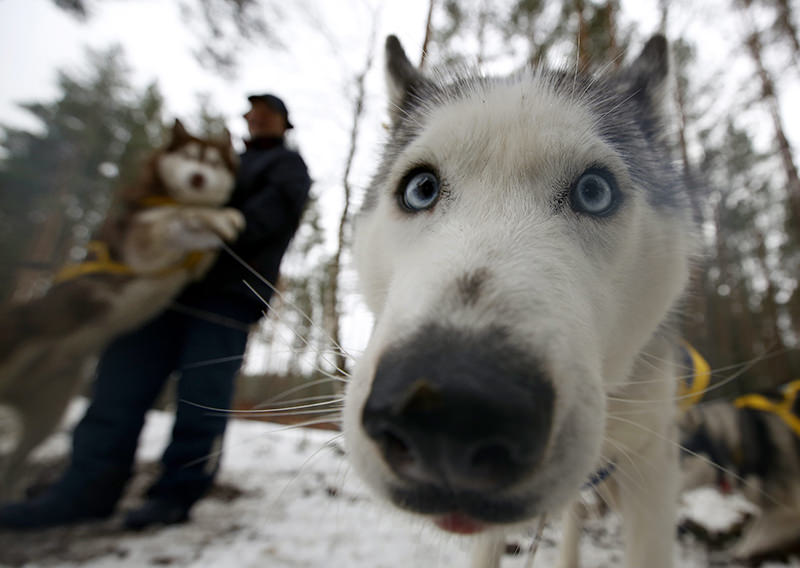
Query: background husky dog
166	236
522	246
734	445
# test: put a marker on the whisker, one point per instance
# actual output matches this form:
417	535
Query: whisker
301	387
310	423
212	361
319	397
745	367
681	447
327	412
209	316
296	334
282	297
261	411
618	446
537	539
216	454
328	444
288	350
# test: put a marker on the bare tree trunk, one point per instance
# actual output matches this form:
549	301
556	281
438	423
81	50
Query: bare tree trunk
771	330
698	305
331	302
722	322
785	25
610	13
428	33
584	57
770	97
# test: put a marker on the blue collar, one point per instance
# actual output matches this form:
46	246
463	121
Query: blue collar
599	476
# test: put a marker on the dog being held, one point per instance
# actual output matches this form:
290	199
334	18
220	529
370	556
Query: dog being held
751	445
170	228
523	246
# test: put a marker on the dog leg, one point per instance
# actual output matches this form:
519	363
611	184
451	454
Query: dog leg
772	532
572	523
11	432
648	499
488	551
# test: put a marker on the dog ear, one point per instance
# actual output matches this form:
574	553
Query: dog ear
227	146
226	137
401	76
179	132
648	76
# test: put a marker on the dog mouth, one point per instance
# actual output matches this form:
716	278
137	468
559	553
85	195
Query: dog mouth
459	523
463	512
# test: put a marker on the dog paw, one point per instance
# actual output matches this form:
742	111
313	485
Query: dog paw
228	223
11	428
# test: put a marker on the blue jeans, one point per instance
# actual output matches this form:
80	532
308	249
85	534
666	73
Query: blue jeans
130	376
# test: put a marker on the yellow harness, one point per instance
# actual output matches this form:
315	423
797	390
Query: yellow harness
102	263
692	387
782	408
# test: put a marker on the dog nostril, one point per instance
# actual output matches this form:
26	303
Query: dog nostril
396	450
197	181
493	461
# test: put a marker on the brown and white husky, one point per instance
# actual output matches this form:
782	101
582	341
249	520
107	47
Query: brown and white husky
167	234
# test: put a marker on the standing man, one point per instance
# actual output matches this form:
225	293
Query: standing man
202	337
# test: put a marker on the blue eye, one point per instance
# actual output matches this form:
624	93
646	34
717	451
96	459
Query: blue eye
421	191
595	193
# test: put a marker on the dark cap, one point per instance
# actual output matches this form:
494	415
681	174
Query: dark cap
274	103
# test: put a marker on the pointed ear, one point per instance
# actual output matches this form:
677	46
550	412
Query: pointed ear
649	74
401	76
179	131
227	144
227	139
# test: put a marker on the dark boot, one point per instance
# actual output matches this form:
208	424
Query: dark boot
157	512
67	502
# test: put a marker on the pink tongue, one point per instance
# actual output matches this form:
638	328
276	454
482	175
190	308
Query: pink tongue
459	524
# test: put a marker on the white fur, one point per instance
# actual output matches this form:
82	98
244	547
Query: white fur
177	169
585	296
161	236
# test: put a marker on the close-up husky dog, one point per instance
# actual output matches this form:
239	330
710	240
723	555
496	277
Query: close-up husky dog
751	445
522	246
168	232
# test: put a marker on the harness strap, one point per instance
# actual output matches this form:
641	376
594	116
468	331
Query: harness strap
692	388
103	264
782	408
156	201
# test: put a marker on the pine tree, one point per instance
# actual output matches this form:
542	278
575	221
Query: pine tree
58	184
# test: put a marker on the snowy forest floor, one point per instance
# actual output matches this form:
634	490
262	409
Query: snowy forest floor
286	498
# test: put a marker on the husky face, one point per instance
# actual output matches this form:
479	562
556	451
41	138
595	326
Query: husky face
523	240
195	171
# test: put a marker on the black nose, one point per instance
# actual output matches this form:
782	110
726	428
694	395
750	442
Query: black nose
197	180
459	411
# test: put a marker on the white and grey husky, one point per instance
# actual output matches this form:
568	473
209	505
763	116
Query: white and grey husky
167	234
522	246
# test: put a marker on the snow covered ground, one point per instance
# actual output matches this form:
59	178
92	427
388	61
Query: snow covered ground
288	499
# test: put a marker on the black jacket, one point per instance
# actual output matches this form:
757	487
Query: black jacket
271	191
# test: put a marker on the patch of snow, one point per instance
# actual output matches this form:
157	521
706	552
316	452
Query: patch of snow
299	505
716	512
